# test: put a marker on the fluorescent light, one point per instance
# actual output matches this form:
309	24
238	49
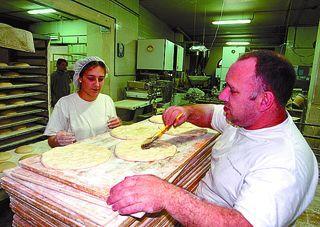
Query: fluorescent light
41	11
237	43
246	21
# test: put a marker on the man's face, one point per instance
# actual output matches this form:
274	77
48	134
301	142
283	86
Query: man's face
63	66
92	82
239	96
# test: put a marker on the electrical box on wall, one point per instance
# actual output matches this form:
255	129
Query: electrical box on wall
155	54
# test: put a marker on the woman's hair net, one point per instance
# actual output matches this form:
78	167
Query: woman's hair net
80	64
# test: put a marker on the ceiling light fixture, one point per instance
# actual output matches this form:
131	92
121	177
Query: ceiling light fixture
222	22
237	43
41	11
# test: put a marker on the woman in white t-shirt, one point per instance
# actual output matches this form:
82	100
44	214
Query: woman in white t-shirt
85	113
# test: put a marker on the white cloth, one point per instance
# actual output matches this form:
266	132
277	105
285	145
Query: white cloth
269	175
84	119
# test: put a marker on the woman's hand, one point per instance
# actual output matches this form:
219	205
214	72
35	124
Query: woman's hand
114	122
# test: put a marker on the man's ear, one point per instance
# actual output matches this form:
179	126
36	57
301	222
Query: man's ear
267	100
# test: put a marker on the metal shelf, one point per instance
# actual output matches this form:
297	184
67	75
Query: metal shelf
21	67
24	113
32	103
15	86
29	94
23	76
18	122
21	141
22	132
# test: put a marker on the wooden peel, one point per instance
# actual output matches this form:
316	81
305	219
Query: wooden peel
147	143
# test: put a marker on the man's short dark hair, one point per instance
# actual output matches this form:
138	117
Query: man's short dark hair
60	60
276	72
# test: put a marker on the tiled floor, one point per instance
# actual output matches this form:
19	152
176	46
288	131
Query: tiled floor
311	217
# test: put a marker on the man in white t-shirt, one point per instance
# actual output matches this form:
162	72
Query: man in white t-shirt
263	173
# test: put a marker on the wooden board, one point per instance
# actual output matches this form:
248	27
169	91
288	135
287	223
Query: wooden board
98	180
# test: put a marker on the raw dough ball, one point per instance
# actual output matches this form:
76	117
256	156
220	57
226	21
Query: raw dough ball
17	102
156	119
75	156
5	84
11	74
4	156
5	131
6	165
23	149
17	92
27	156
8	112
21	64
130	150
132	132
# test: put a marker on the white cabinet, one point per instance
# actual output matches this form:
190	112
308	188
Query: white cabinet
155	54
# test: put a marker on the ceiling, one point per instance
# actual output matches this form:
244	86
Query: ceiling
270	19
14	12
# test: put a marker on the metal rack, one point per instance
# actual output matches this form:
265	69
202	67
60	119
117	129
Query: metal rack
24	100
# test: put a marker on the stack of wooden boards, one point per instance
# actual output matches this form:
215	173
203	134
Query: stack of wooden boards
42	196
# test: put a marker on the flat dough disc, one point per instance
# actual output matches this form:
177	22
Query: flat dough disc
4	156
75	156
156	119
186	129
27	156
23	149
11	74
17	92
18	102
132	132
6	165
5	131
5	84
21	64
130	150
2	64
8	112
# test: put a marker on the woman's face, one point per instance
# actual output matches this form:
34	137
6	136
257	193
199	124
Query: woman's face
91	83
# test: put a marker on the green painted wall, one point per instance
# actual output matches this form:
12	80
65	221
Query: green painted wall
150	27
215	56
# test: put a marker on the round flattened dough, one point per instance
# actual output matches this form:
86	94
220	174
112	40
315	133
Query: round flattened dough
23	149
5	131
17	92
2	64
11	74
156	119
5	84
186	129
2	104
2	94
8	112
75	156
130	150
135	131
6	165
18	102
21	64
20	128
27	156
4	156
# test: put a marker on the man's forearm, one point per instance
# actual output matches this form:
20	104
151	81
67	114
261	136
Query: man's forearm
200	114
189	210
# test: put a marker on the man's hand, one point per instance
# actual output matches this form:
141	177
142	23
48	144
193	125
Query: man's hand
145	193
170	115
64	138
114	122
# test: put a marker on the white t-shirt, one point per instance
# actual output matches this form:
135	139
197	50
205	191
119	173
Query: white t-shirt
269	175
84	119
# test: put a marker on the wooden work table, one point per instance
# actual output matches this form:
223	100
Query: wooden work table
46	197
